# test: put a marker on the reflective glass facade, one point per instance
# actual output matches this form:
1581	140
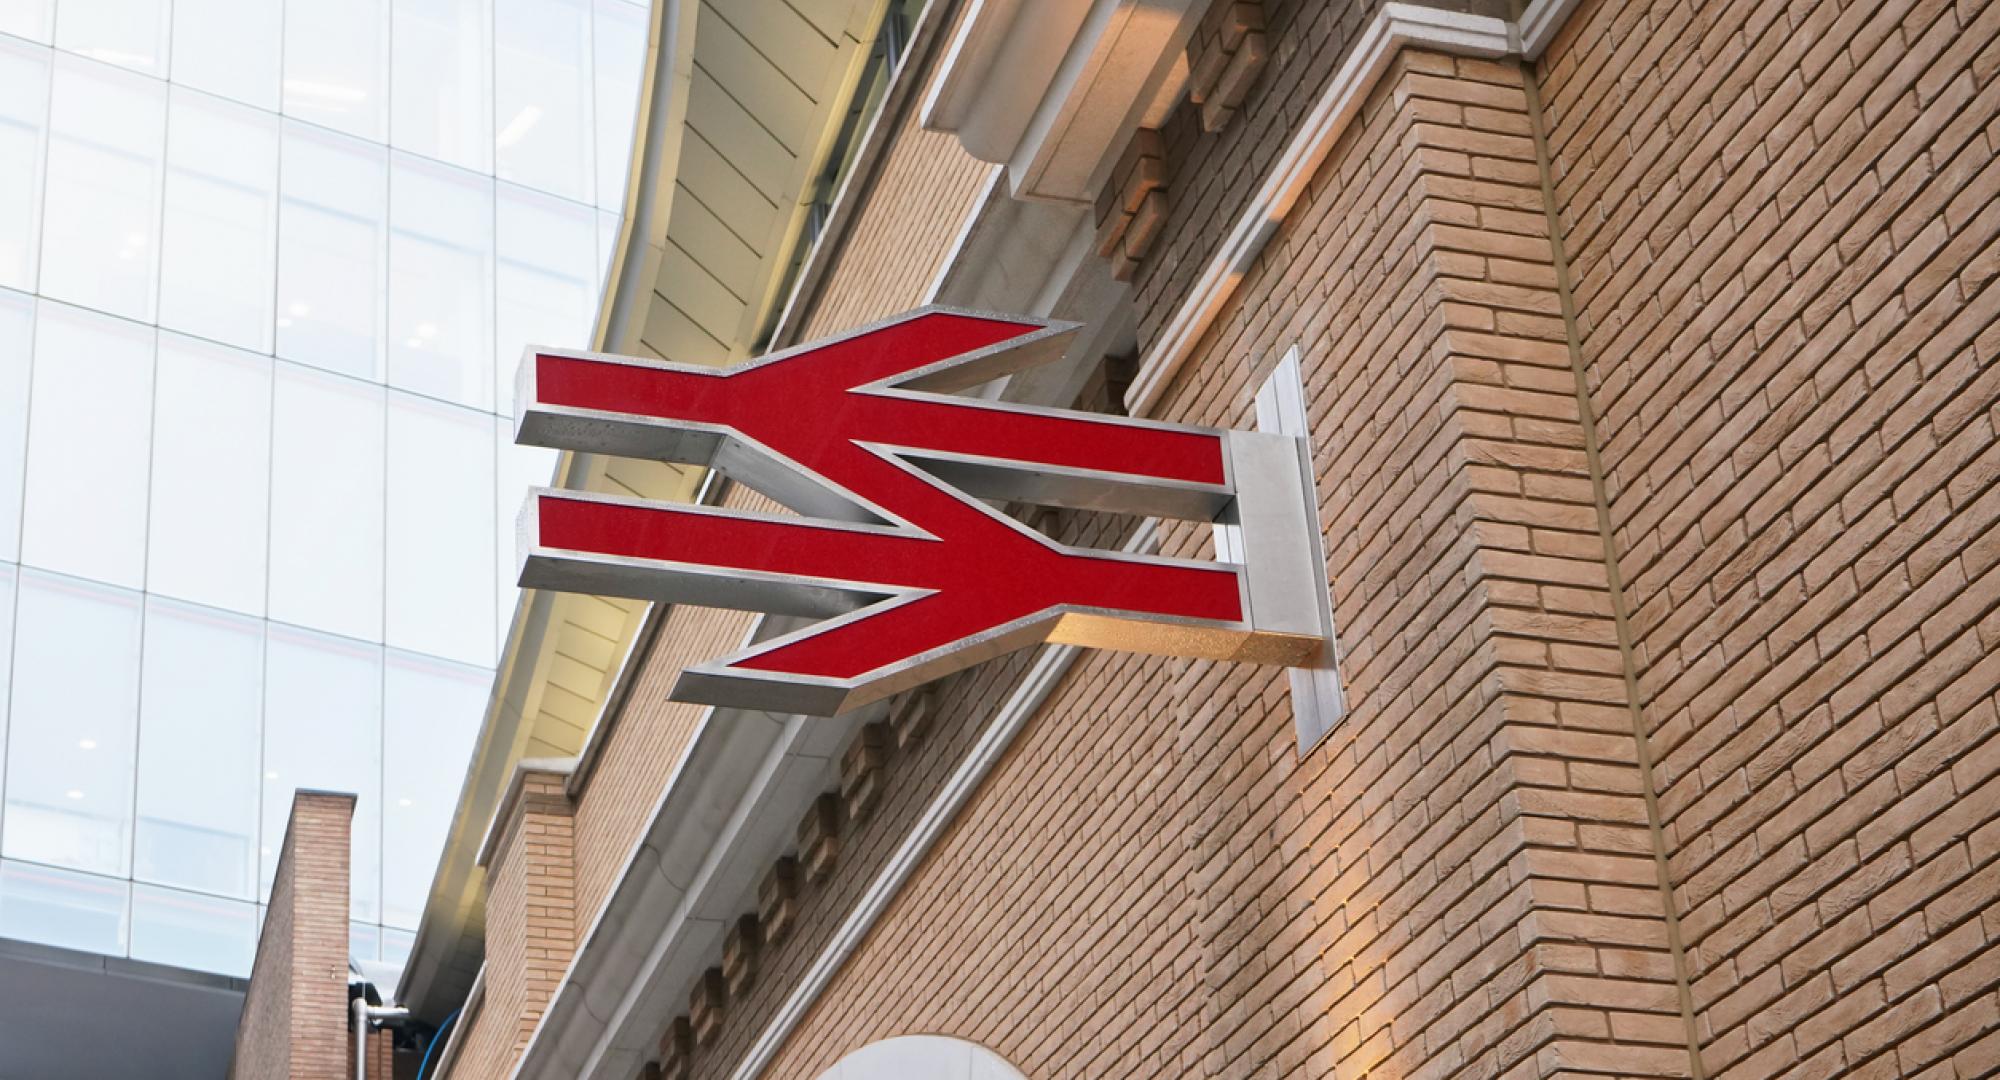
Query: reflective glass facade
266	270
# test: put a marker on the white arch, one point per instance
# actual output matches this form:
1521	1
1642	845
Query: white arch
922	1057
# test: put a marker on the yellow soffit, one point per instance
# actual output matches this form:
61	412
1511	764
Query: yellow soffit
741	106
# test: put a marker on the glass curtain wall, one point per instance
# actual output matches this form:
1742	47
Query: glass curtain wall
266	270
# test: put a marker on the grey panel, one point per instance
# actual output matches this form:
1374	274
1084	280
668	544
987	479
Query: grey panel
76	1016
695	291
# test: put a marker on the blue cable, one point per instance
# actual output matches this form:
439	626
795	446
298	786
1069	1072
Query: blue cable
424	1066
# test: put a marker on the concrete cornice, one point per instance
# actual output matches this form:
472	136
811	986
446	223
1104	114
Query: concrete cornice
503	815
1540	23
1053	89
727	813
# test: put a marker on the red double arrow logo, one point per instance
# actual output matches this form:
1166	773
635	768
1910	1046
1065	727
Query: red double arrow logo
889	541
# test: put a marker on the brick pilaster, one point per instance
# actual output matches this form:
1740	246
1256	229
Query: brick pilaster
295	1020
530	917
1604	977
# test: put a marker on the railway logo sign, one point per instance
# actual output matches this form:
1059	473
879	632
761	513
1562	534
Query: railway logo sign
883	527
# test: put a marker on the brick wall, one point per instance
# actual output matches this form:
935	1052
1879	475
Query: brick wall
922	190
1462	876
1781	223
1731	785
926	188
1214	174
531	921
295	1020
651	733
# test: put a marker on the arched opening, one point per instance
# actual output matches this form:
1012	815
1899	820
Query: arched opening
922	1057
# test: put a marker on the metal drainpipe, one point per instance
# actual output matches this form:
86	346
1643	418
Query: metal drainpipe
363	1013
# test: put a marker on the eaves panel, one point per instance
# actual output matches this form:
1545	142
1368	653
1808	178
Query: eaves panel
767	92
725	193
775	28
723	253
671	333
749	147
603	616
690	286
593	651
574	675
565	703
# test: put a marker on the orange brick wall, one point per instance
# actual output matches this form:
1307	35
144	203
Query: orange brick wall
530	923
1782	226
1667	599
295	1020
925	188
1214	175
1462	876
616	802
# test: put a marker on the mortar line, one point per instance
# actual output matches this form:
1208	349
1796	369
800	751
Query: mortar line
1620	614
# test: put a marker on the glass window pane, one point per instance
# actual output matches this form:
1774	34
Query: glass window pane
129	33
431	711
230	48
17	345
101	218
542	95
440	539
200	707
323	730
211	475
337	64
332	252
58	907
31	19
521	468
75	717
440	281
396	945
24	127
546	280
607	245
8	587
441	81
187	930
620	56
89	422
326	502
364	941
220	228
